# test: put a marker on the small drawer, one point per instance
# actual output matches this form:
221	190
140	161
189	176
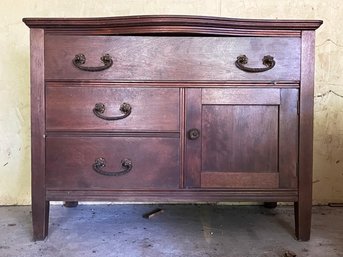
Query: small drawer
112	109
100	163
172	58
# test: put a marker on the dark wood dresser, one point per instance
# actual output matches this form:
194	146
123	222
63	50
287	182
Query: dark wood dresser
172	109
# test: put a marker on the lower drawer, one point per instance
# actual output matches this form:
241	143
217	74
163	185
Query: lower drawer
84	163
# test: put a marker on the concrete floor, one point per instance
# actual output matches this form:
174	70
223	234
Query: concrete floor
181	230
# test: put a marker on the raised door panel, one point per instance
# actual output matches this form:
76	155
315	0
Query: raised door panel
239	138
248	138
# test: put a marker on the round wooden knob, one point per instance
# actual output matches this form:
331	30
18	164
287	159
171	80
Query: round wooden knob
193	134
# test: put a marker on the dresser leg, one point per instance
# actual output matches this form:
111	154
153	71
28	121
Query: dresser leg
302	214
40	220
71	204
270	205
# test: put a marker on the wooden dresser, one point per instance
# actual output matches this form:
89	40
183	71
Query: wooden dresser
172	109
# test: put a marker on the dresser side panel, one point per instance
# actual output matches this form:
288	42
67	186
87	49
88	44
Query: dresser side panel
40	208
303	206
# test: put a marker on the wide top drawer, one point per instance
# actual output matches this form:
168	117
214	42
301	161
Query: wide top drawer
171	58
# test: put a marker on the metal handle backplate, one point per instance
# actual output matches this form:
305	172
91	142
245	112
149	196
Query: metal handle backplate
100	163
267	61
100	108
80	59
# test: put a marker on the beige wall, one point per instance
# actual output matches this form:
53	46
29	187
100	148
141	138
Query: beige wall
14	76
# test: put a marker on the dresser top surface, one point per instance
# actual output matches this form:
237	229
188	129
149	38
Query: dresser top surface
166	22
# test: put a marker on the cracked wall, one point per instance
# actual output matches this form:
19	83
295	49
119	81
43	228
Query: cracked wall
14	76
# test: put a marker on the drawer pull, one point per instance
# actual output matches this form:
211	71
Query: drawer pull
193	134
101	163
267	61
80	59
100	108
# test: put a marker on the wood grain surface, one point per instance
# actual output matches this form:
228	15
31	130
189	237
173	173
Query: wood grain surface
171	58
71	108
178	73
155	163
239	180
40	206
240	138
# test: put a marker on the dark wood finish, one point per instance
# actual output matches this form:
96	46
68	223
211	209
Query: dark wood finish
182	138
197	58
69	163
174	24
303	206
288	138
177	31
240	138
40	206
112	134
241	96
177	196
251	129
240	179
71	108
172	84
244	133
193	147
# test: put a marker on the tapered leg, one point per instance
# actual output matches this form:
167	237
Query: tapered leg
302	213
270	205
40	220
70	204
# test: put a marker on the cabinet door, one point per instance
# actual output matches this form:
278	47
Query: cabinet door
241	138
